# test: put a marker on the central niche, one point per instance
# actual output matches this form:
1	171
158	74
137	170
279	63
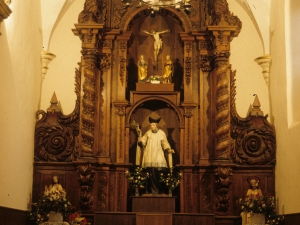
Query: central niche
169	123
143	44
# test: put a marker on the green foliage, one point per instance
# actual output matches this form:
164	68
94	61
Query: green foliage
170	178
137	177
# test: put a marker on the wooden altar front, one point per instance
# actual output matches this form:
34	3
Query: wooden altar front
215	149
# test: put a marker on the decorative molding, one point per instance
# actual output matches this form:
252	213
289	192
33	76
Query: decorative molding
46	59
5	11
264	62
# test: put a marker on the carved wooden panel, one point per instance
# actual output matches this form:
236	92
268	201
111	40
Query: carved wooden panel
215	149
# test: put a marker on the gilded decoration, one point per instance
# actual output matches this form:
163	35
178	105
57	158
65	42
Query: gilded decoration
86	178
223	181
254	138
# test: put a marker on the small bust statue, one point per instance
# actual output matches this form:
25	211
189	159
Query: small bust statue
254	191
168	70
55	189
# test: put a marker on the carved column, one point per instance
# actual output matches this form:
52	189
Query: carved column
121	103
222	36
188	104
204	58
104	84
89	34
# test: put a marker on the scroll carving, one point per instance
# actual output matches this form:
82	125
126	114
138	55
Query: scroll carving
56	135
93	11
222	108
254	138
217	13
223	182
86	178
88	103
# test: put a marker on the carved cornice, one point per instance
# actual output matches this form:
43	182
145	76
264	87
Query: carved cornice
89	34
222	183
5	11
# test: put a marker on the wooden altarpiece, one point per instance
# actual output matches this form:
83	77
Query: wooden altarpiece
215	149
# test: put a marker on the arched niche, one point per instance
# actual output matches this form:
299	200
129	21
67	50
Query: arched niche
170	123
143	44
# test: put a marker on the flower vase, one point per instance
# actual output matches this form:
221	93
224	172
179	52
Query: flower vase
255	219
155	82
170	192
137	192
55	217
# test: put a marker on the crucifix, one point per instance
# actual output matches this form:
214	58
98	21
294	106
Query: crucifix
157	41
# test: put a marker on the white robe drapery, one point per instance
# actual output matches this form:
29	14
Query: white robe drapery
153	152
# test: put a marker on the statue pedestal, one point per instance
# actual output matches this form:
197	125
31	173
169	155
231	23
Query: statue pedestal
154	87
153	204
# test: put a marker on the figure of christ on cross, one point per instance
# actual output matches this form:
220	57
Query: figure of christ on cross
157	40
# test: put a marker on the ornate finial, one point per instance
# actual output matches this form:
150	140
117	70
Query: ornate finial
54	104
256	108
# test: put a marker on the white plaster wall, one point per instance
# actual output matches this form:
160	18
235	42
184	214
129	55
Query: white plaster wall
66	46
288	141
244	49
20	71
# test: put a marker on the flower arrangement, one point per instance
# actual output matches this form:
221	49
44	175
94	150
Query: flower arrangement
263	205
76	218
52	200
170	178
137	177
154	78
